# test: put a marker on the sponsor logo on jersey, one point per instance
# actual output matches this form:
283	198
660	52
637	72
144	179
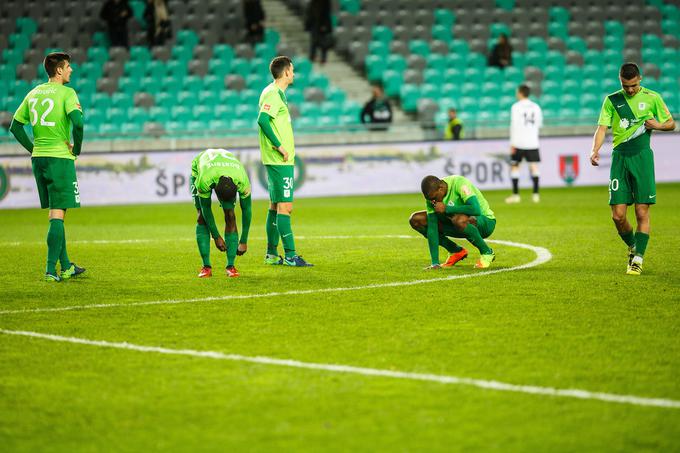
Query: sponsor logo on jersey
266	107
642	106
624	123
569	168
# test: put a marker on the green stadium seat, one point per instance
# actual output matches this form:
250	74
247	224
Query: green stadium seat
26	25
240	66
437	62
186	98
459	47
303	66
101	101
202	111
378	48
128	85
175	70
13	57
134	69
453	75
223	52
507	5
159	114
182	53
491	89
382	33
559	15
187	38
472	74
116	115
295	96
140	54
476	59
409	97
255	81
165	99
434	77
444	17
442	33
455	61
392	81
577	44
497	29
429	91
138	115
109	128
219	68
336	95
97	54
419	47
193	84
271	37
219	125
558	30
319	81
180	112
122	101
213	83
154	69
589	100
351	6
614	28
537	44
493	75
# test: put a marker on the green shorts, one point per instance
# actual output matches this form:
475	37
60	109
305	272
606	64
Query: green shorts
57	182
631	178
485	225
280	180
197	201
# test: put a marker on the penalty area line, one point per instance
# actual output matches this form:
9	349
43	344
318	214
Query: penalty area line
543	255
374	372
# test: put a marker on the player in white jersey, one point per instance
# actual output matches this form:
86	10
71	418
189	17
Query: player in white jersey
525	121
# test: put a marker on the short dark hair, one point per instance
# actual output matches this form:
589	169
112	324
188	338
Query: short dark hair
629	71
225	189
429	184
524	89
378	85
55	60
279	65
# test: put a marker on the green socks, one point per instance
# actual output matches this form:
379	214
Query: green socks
232	246
203	241
272	233
444	241
472	234
63	257
641	240
286	232
55	243
628	238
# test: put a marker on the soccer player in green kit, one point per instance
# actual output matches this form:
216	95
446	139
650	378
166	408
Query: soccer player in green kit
454	208
221	171
632	113
52	108
278	156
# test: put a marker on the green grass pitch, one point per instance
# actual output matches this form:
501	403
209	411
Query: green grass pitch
575	322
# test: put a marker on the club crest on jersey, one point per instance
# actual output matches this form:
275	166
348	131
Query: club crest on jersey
569	168
642	106
266	107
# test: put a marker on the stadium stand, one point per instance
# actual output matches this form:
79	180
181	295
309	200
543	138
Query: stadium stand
429	54
201	82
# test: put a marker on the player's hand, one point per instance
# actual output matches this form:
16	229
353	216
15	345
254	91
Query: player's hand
242	249
70	147
283	152
513	150
595	158
652	124
219	243
434	267
439	207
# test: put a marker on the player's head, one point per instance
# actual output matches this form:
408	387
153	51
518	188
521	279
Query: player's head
58	66
452	114
629	74
433	188
281	68
377	90
502	39
523	91
225	189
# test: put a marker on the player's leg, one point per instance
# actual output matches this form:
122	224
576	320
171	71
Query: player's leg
418	222
39	165
202	233
470	230
515	160
534	158
643	182
231	239
620	196
272	256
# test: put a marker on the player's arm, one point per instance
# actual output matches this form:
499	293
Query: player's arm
76	117
209	218
598	140
664	120
17	129
246	217
471	207
433	237
264	122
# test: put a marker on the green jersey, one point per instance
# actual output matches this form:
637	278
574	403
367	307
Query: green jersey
646	104
460	189
47	107
209	166
273	102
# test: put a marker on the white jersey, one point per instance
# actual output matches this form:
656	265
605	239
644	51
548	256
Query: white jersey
526	119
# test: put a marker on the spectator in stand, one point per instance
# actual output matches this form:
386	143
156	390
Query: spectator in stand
254	17
377	112
318	24
116	14
501	54
454	128
158	26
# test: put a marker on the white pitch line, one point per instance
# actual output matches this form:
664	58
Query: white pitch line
152	241
441	379
543	255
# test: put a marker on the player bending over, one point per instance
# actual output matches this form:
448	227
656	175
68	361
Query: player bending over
455	208
220	170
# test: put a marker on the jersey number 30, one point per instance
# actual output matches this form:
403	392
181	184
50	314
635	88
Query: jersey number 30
34	113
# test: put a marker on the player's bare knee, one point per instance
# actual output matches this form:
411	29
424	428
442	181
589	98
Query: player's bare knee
417	220
229	220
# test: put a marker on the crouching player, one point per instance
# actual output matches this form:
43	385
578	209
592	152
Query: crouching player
455	208
220	170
